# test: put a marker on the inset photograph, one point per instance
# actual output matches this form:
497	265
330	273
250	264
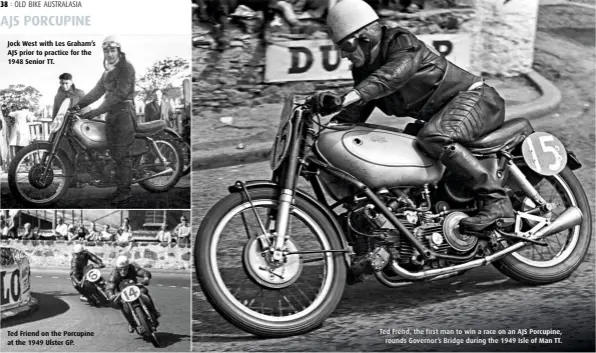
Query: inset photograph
107	129
95	280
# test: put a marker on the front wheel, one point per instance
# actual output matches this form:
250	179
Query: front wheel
249	289
566	250
35	181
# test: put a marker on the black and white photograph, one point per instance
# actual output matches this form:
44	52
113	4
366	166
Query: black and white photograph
98	119
95	280
393	175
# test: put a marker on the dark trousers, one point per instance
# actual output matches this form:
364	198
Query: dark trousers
120	133
468	116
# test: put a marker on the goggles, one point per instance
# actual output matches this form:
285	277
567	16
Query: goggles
349	45
110	45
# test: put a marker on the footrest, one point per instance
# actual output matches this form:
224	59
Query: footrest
504	222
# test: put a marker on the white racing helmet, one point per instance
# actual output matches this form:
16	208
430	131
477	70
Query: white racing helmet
349	16
121	261
77	248
111	42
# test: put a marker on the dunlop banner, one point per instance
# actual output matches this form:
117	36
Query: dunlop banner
318	60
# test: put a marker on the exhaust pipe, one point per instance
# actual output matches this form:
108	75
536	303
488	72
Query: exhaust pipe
162	173
416	276
570	218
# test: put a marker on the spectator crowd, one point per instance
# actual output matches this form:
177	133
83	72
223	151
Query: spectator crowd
180	234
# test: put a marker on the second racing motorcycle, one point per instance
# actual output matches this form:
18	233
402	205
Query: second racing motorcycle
95	286
273	257
134	302
76	154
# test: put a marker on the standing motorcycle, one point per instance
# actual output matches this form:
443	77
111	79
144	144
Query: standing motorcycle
94	285
274	261
41	173
133	301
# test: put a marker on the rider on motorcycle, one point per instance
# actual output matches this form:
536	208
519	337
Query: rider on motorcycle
118	85
126	271
79	265
397	73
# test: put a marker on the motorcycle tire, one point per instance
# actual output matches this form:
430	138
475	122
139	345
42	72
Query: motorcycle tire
12	172
143	321
248	321
186	155
150	186
530	272
184	144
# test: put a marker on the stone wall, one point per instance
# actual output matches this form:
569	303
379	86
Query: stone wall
506	33
57	254
235	76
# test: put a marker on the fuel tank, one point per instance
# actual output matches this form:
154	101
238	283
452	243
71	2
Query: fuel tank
379	157
92	134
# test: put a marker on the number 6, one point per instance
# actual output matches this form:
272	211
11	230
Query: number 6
550	149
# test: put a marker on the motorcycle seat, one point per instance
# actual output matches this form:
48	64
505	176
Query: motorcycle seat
150	128
509	135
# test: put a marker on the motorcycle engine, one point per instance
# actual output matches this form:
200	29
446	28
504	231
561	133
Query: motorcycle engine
370	230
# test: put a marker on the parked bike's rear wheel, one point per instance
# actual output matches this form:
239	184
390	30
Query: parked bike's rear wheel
537	264
151	164
25	175
251	291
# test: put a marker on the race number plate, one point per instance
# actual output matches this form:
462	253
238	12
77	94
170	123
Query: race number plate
130	294
93	275
544	153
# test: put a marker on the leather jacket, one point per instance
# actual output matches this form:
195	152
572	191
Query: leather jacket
131	272
118	85
407	78
80	260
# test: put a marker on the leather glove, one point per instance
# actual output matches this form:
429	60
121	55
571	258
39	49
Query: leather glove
74	109
90	114
145	281
326	103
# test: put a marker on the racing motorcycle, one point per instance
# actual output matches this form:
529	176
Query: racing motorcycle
95	286
133	301
274	260
76	153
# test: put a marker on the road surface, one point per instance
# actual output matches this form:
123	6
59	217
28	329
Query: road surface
60	309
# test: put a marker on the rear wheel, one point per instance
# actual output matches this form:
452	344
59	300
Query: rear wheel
152	164
535	264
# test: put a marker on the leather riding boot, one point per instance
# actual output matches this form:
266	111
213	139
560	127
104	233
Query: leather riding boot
495	201
124	180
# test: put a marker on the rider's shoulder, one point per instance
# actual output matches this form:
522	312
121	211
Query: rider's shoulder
402	38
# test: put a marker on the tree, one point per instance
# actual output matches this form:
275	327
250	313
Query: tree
164	74
16	95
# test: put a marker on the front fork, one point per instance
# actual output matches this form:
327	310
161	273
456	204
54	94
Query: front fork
286	197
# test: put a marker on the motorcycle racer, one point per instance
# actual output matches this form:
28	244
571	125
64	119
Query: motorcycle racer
126	271
118	84
79	265
397	73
